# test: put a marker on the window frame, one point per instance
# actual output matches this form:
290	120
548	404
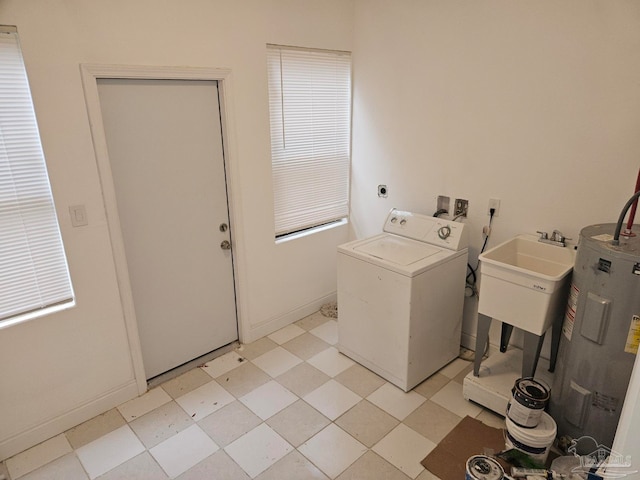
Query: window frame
310	114
35	270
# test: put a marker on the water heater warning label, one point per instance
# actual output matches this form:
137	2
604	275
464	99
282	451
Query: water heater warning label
633	338
570	314
604	402
605	237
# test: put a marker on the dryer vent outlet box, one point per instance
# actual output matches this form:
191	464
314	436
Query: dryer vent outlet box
443	203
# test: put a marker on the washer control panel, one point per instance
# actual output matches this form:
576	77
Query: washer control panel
433	230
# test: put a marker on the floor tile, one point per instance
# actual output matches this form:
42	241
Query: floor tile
331	362
268	399
67	467
332	399
223	364
144	404
454	368
37	456
293	466
332	450
492	419
405	449
305	346
427	475
372	466
450	397
360	380
432	421
258	450
302	379
186	382
298	422
214	467
312	321
253	350
431	385
229	423
242	380
160	424
184	450
204	400
463	373
367	423
109	451
287	333
328	331
396	402
95	428
141	467
242	415
277	361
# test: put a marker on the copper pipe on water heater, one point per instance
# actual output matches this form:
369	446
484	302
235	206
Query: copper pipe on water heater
632	214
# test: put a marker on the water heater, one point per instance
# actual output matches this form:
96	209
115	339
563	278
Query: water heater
600	335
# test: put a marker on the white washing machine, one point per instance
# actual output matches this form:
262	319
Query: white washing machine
401	295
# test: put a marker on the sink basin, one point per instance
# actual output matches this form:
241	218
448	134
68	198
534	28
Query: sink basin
525	283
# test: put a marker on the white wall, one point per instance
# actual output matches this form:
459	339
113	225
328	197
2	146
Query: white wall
536	103
60	370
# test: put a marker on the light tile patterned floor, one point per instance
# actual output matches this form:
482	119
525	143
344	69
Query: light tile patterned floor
288	406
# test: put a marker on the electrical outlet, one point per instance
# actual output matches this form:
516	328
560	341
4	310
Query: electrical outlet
461	207
495	204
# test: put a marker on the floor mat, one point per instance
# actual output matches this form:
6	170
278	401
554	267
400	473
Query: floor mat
470	437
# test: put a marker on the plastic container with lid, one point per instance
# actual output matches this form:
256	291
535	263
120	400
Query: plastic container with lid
535	442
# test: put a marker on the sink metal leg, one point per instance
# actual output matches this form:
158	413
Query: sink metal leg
531	353
505	336
482	337
556	333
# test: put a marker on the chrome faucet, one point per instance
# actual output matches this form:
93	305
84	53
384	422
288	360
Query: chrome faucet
557	238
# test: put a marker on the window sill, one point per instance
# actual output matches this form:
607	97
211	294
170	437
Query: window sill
25	317
310	231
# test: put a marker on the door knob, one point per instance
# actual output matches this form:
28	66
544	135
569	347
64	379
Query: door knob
225	245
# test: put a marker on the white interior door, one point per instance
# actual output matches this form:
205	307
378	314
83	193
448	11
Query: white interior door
165	151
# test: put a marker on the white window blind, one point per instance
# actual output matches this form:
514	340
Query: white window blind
33	267
310	114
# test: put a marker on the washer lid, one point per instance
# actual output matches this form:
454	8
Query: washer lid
398	250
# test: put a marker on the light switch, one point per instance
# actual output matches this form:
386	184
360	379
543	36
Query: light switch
78	215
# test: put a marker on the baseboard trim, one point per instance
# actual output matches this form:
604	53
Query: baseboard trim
468	341
61	423
271	325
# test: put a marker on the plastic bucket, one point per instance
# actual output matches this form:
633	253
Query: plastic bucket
481	467
528	401
535	442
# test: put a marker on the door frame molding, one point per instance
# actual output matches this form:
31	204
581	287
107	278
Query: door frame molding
90	74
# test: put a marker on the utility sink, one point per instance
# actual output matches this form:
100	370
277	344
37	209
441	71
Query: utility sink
524	282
